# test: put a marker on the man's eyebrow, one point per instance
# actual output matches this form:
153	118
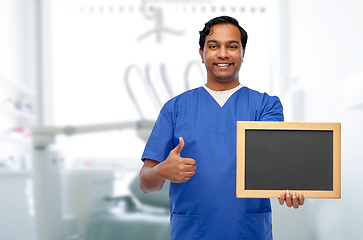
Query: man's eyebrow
215	41
233	41
211	41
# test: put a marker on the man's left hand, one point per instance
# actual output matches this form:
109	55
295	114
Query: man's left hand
291	199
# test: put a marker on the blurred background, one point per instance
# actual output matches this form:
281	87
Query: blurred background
82	81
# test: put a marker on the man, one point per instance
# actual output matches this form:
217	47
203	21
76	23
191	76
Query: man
193	144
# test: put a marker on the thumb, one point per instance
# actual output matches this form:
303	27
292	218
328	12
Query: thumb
180	146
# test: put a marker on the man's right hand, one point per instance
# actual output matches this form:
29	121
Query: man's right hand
175	168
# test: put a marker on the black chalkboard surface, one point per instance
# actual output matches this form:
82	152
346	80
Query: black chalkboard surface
273	157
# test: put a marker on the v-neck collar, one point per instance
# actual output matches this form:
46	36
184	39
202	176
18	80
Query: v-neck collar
215	101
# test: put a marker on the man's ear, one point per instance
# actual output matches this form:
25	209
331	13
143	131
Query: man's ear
201	54
243	54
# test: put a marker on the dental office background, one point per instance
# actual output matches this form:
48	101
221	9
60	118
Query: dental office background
90	62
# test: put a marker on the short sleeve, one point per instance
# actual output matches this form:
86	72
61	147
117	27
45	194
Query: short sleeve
160	142
272	109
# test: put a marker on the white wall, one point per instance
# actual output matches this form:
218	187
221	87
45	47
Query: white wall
325	51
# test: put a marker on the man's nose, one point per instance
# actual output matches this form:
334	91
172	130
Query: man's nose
222	52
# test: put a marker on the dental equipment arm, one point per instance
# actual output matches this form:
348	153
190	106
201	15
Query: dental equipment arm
44	136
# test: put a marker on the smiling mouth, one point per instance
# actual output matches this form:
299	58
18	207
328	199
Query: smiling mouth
223	64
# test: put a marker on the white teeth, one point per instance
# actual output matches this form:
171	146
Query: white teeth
222	64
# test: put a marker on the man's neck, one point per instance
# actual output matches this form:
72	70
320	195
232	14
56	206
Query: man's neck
222	86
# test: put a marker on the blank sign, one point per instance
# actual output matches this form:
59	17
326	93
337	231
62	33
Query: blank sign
276	156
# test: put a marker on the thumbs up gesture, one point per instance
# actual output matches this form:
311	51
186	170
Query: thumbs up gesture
175	168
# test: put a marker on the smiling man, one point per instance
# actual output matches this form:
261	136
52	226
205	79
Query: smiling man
222	53
193	144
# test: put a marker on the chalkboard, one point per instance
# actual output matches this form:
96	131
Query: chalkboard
273	157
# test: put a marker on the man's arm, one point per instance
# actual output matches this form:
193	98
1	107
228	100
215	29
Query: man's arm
150	181
175	169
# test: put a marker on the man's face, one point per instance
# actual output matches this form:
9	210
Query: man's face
223	55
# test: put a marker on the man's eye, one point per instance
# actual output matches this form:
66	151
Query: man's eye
233	47
212	46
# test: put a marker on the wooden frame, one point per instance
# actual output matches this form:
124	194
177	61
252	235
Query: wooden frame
295	128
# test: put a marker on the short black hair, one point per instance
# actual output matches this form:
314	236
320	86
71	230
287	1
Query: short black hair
221	20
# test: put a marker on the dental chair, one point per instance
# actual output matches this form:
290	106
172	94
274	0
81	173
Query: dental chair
138	216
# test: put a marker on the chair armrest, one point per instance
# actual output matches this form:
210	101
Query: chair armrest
127	199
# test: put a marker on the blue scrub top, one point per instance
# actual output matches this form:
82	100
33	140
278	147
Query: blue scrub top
206	207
